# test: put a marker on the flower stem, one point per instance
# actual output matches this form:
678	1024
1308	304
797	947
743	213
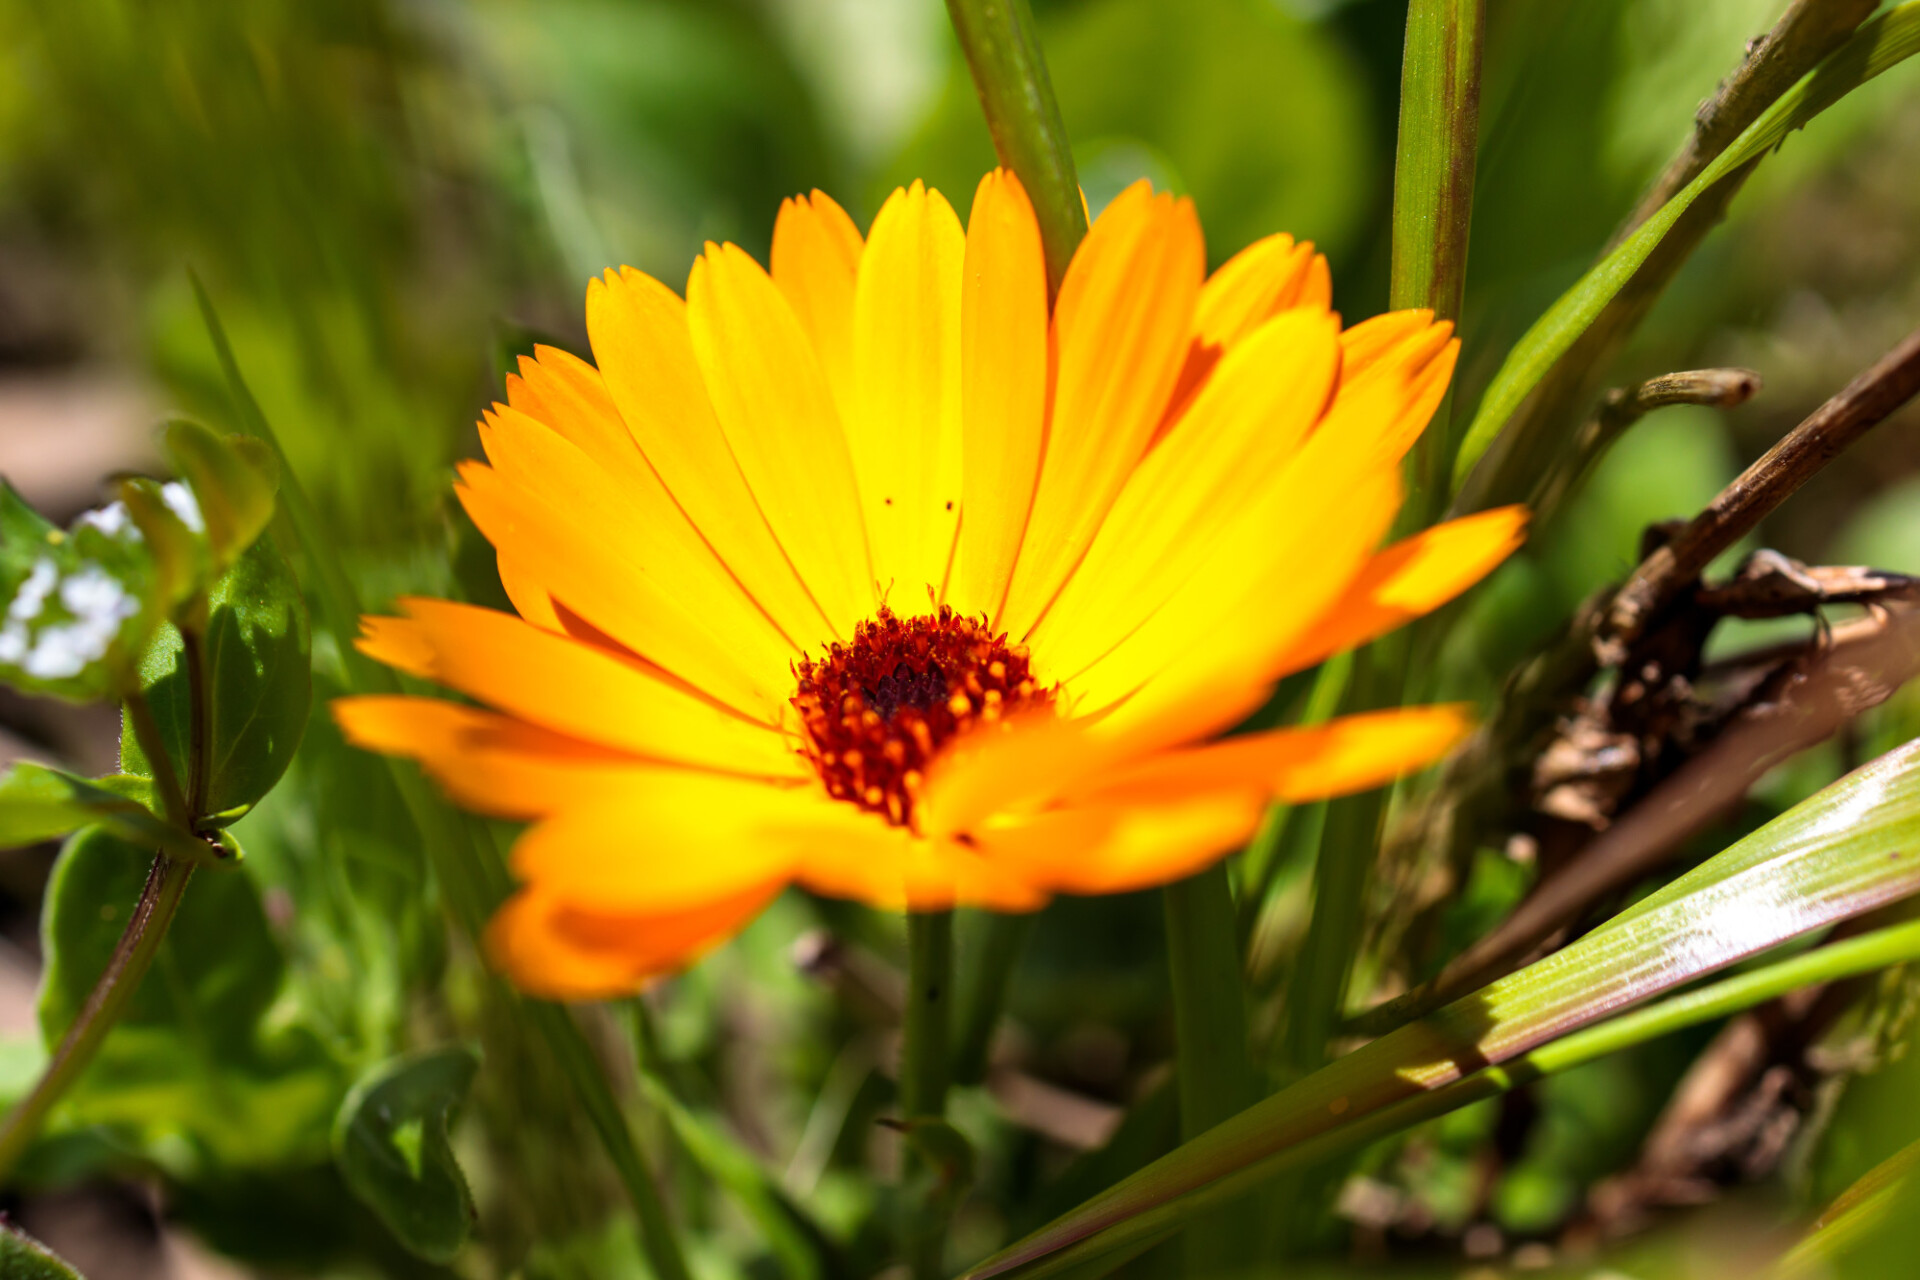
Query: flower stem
1016	94
146	731
131	958
924	1068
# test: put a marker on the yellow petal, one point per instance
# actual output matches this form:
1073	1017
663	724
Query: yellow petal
572	687
595	561
1003	389
816	253
1367	342
640	337
529	595
773	404
485	761
1353	753
1411	578
1265	278
892	869
667	838
564	951
903	426
1393	399
1119	846
568	395
1121	328
1169	520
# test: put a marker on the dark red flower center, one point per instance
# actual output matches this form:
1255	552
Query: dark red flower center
877	710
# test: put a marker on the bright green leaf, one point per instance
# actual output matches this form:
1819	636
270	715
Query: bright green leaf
1878	45
256	651
1853	847
233	481
24	1258
38	803
390	1142
194	1052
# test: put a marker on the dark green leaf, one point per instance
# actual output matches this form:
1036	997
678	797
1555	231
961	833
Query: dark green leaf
23	534
233	481
38	803
390	1141
24	1258
256	653
194	1052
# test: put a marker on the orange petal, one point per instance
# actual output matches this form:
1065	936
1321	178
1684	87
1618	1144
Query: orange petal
654	584
893	869
773	404
1119	846
571	687
1003	393
816	255
640	337
530	597
568	395
1392	380
666	838
1265	278
1121	328
560	951
1411	578
1169	520
1353	753
903	418
486	762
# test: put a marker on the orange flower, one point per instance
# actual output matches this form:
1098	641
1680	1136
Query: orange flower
872	575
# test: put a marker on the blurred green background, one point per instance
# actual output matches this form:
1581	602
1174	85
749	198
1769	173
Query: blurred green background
389	199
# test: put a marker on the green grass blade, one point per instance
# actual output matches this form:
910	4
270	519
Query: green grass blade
1878	45
1853	847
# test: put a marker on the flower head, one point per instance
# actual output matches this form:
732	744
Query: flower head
877	574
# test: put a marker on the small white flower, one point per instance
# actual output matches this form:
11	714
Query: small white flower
34	591
111	520
181	501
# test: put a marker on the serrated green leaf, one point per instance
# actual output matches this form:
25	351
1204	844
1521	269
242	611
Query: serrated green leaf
194	1053
1879	44
391	1144
233	482
24	1258
257	657
38	803
1853	847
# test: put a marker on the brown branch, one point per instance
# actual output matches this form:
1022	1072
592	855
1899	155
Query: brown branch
1620	409
1804	36
1742	505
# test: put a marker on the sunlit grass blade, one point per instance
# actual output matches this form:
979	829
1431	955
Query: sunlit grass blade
1878	45
1853	847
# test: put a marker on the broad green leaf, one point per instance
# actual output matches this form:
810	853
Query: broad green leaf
195	1053
256	651
1878	45
24	1258
390	1142
1853	847
78	603
233	480
1857	1214
38	803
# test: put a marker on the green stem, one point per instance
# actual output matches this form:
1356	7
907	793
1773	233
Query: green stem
131	958
146	731
1433	197
1016	94
997	945
924	1067
1212	1069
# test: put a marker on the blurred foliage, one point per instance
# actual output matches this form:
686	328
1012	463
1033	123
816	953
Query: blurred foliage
389	201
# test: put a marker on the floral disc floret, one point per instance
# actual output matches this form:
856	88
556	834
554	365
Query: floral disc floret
876	711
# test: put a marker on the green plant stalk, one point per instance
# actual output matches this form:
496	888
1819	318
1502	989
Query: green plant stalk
1895	945
924	1066
1433	196
998	944
470	870
1211	1065
1010	75
132	957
